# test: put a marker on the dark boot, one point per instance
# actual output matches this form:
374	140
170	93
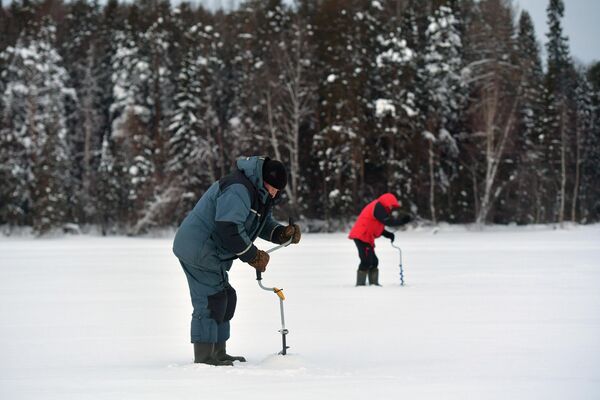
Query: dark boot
221	354
374	277
204	354
361	278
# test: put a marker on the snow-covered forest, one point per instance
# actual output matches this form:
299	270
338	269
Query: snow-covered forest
121	115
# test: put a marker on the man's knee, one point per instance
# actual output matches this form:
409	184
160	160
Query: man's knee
364	266
217	304
222	304
374	262
231	303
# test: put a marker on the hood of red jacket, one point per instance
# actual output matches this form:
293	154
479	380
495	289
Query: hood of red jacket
389	201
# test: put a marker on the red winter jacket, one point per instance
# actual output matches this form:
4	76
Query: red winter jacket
367	228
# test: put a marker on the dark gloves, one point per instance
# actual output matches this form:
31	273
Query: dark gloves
290	231
388	235
405	219
399	218
260	261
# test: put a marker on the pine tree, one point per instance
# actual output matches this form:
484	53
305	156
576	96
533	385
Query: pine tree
410	161
235	95
155	47
108	189
83	52
270	22
527	194
444	97
15	141
584	125
4	27
340	143
130	128
37	168
394	102
558	127
150	147
21	15
591	166
193	122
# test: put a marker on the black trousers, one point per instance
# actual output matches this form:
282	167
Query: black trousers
366	252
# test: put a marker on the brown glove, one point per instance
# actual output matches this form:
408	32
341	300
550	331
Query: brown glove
260	261
290	231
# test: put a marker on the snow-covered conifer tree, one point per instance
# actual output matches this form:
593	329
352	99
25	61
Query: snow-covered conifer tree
584	130
558	129
590	176
528	191
394	107
130	127
234	87
109	189
156	49
35	131
83	57
347	57
192	145
444	98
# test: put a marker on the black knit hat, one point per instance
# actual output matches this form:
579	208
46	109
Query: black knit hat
274	173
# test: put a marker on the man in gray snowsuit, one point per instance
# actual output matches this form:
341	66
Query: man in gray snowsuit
223	225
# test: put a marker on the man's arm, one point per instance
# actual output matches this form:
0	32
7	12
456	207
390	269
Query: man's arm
398	218
232	209
380	213
271	229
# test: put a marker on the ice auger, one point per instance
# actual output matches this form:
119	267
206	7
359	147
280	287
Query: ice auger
401	271
279	293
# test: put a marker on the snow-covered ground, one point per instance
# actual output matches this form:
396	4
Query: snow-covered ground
507	313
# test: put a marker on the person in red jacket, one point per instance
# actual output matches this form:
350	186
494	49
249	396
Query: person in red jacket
369	226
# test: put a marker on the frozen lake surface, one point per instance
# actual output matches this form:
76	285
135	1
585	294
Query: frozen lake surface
507	313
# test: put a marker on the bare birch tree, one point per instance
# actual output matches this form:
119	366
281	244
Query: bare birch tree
290	101
498	129
494	112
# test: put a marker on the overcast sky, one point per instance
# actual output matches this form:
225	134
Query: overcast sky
580	23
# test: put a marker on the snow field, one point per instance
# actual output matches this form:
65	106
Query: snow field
504	313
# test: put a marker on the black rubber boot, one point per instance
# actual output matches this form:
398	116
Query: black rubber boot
374	277
221	354
204	354
361	278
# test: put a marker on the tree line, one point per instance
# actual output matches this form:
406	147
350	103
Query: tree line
121	115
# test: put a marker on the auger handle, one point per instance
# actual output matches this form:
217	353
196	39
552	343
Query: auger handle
272	249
